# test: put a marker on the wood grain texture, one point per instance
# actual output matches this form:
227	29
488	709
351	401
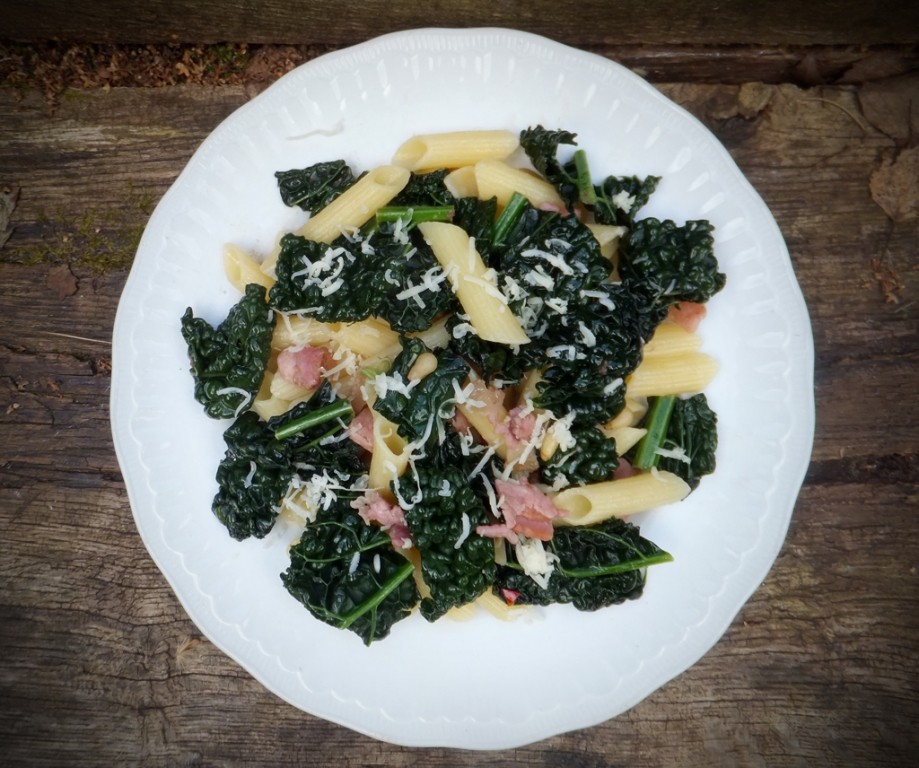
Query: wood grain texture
594	22
99	664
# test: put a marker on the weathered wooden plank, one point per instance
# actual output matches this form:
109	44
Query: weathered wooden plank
102	666
594	22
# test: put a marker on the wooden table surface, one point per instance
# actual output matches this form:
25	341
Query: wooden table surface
99	111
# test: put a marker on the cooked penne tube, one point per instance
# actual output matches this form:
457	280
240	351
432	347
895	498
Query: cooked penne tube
295	331
366	337
496	179
452	150
353	208
671	338
681	374
632	412
590	504
625	437
474	285
241	269
283	389
389	457
461	182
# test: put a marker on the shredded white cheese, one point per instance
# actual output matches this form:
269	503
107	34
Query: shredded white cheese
464	533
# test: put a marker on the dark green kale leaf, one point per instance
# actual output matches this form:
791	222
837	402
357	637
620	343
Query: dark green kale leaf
541	146
252	478
608	211
477	218
446	504
352	279
592	459
675	263
230	360
597	566
348	575
425	189
416	413
693	431
593	350
313	188
258	465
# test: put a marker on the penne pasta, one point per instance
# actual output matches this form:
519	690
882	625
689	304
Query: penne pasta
670	339
461	182
353	208
681	374
428	152
496	179
474	285
241	269
295	331
626	437
590	504
390	455
367	338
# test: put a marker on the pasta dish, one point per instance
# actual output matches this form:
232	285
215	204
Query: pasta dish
460	376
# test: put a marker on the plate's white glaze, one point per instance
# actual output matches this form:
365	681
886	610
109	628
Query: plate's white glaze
482	683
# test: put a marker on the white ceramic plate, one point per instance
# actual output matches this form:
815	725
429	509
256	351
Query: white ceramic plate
483	683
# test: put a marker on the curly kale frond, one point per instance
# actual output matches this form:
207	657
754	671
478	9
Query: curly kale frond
592	459
694	433
262	458
619	198
416	408
348	575
593	351
252	478
391	274
457	564
228	362
597	566
313	188
425	189
674	263
541	146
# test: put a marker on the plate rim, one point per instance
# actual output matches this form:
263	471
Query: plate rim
460	37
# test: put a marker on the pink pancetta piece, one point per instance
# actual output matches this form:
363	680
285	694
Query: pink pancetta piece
687	314
526	509
360	430
373	508
623	470
521	423
497	531
302	366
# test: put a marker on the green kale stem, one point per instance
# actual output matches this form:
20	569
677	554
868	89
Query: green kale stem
509	216
340	409
414	214
586	191
378	597
657	423
611	570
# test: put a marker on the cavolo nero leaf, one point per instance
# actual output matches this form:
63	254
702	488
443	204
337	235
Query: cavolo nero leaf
541	146
674	263
592	459
691	440
258	466
619	198
353	279
313	188
347	574
425	189
417	410
228	362
457	564
597	566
